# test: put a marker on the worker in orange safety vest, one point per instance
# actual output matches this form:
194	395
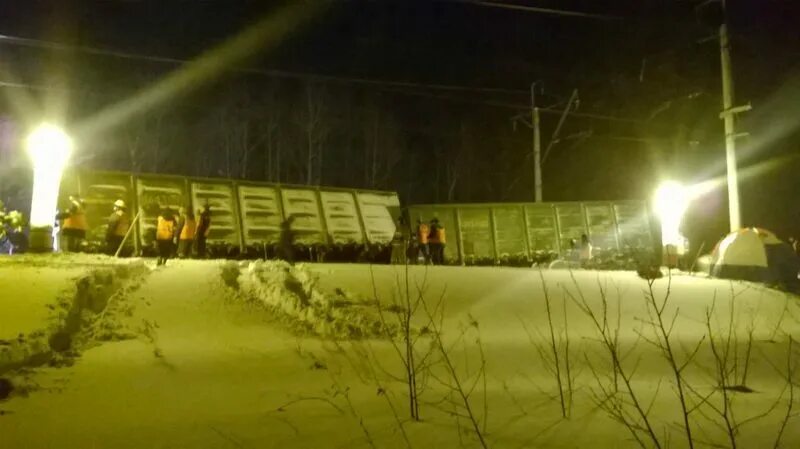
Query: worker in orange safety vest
437	239
118	224
423	231
74	226
187	228
165	235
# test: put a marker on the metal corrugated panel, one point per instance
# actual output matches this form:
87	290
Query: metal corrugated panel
99	191
304	207
542	230
261	214
341	217
224	217
571	223
633	224
376	213
548	227
447	217
602	231
509	223
155	193
476	232
248	213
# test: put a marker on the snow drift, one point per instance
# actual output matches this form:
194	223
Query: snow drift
73	311
293	292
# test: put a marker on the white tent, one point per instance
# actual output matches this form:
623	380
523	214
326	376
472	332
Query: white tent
755	254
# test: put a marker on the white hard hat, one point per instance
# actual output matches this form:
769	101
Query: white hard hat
119	203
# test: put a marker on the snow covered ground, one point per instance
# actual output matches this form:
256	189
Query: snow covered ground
205	363
29	294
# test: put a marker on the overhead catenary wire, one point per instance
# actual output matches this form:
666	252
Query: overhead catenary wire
400	87
497	104
275	73
537	9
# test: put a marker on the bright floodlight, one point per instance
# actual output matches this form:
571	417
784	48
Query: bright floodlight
49	148
670	203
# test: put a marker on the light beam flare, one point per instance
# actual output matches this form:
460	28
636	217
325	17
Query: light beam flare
49	148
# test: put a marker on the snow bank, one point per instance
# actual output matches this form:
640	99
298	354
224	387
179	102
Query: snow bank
73	310
294	293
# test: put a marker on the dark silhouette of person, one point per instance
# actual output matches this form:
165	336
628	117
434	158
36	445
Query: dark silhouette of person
202	231
286	240
436	242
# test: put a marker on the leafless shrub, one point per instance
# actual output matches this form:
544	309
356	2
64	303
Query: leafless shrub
791	369
662	325
411	348
459	388
337	397
364	352
554	350
718	406
731	354
622	404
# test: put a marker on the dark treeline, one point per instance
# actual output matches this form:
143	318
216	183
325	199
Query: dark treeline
429	145
459	147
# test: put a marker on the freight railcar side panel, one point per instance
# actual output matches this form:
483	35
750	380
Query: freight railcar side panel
542	230
154	194
303	205
509	224
601	226
99	191
222	202
633	224
341	217
376	212
261	214
571	223
476	232
447	218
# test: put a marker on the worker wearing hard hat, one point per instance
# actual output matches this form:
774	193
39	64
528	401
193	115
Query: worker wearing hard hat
74	227
165	235
118	224
187	227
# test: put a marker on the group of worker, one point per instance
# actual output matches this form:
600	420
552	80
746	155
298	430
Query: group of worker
185	230
431	240
74	226
188	231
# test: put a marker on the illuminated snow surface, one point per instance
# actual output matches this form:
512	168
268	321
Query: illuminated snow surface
295	358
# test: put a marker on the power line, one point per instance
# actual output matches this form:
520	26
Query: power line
57	46
497	104
537	9
401	87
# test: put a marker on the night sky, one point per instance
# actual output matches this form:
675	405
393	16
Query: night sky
655	65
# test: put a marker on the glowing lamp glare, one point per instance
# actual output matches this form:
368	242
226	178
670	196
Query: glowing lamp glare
670	204
49	148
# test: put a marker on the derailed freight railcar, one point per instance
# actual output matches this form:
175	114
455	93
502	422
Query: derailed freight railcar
246	216
520	233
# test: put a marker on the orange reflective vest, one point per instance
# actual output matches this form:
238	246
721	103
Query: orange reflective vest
122	224
422	233
165	230
441	237
189	229
76	220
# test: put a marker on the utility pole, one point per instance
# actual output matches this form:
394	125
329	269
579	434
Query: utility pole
728	115
537	147
730	136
